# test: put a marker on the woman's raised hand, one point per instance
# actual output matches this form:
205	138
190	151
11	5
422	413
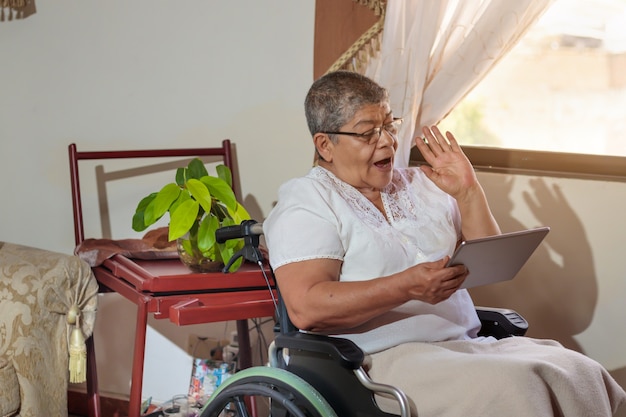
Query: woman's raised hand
449	168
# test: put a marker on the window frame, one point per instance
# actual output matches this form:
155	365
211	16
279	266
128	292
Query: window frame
544	163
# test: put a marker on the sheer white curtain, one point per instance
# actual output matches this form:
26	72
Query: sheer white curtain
434	52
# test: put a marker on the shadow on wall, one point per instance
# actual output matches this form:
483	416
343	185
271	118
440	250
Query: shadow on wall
543	291
557	290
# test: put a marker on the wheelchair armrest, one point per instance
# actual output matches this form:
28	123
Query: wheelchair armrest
344	351
501	322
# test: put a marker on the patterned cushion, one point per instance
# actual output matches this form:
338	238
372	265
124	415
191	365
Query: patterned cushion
37	289
9	389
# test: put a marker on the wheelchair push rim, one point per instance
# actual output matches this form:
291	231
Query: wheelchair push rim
279	391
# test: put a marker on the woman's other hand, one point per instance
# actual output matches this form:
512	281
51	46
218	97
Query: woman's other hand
433	282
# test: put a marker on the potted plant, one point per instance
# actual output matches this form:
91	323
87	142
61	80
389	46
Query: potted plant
198	204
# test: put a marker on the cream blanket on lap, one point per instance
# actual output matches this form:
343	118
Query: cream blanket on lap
510	377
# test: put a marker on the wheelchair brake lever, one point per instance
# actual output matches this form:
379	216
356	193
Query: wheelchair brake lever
249	230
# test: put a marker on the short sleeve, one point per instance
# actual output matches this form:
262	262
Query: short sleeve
302	225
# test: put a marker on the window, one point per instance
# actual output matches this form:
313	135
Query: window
561	89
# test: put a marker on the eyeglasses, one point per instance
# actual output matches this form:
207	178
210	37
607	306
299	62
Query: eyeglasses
373	136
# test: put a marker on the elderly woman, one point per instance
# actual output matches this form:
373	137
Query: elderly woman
359	249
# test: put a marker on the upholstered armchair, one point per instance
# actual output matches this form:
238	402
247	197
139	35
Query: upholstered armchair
48	305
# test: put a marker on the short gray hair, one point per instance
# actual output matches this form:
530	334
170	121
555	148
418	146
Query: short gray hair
335	98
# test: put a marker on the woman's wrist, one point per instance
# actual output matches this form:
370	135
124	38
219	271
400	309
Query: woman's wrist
470	195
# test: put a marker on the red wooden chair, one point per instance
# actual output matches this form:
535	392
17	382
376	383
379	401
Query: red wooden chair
75	156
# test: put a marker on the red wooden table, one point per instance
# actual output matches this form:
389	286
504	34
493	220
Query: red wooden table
167	289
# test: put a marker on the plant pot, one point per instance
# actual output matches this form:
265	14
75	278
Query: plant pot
193	258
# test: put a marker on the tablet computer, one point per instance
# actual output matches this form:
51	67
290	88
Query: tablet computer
497	258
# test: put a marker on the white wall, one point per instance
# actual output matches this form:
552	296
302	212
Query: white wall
156	74
574	286
147	74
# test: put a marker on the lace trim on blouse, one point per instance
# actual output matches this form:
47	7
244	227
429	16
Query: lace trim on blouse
415	214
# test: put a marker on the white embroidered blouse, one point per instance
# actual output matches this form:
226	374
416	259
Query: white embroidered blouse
320	216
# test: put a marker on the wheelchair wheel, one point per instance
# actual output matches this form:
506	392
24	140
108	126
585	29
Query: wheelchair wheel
274	392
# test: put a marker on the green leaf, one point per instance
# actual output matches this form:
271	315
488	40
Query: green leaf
196	169
228	249
199	191
206	232
180	176
212	253
224	173
239	214
183	218
220	190
187	247
181	199
138	223
228	222
161	203
145	201
235	266
227	253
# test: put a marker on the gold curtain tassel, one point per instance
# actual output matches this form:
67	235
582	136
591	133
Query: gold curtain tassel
77	348
78	356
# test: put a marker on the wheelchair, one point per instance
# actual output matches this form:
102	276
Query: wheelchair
312	375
